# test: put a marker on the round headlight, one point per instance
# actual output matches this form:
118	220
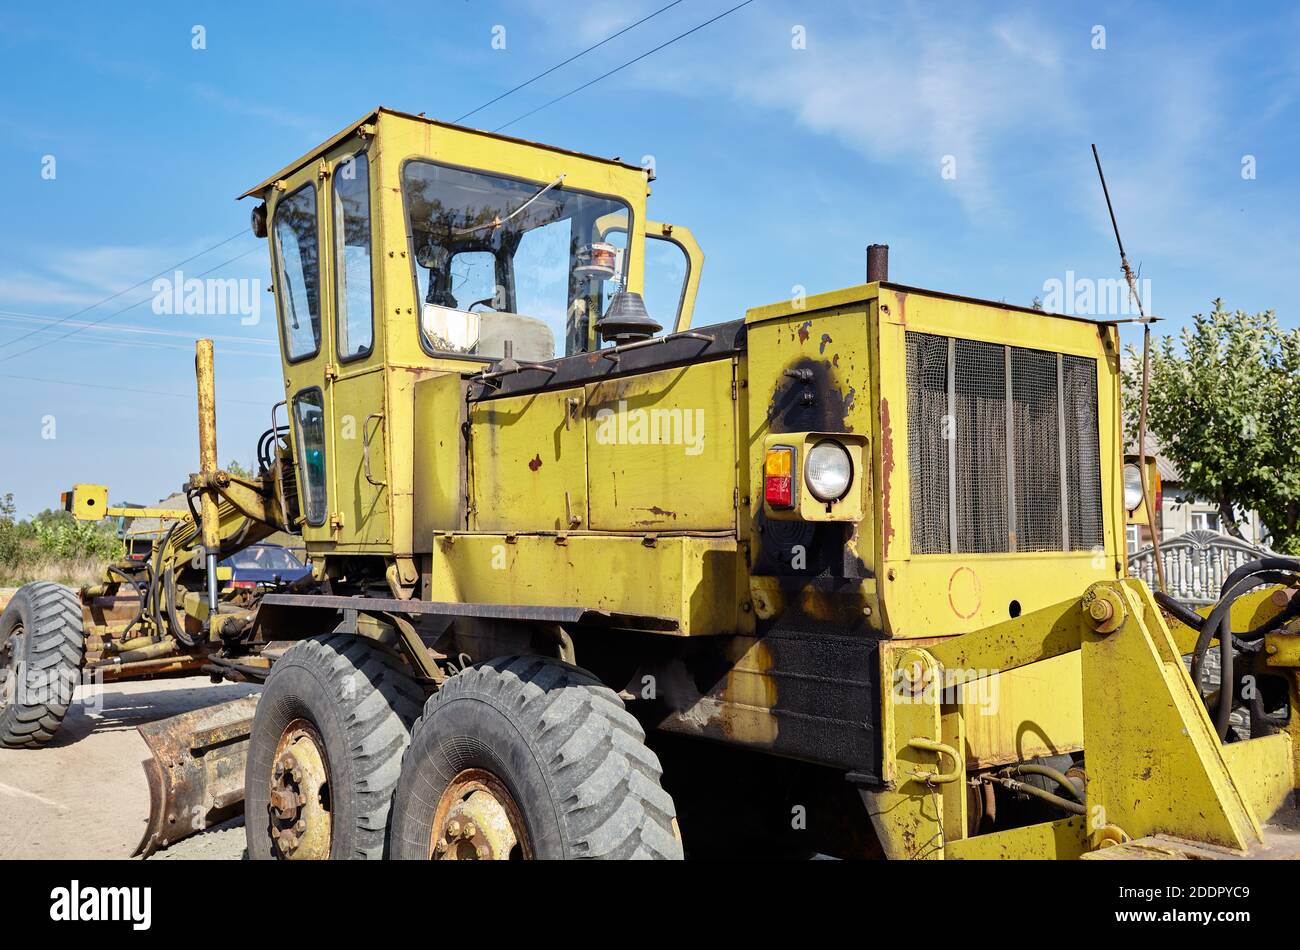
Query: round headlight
828	471
1132	486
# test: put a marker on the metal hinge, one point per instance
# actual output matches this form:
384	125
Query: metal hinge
331	371
322	170
570	515
336	521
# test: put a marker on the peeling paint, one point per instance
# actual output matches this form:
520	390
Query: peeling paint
535	462
887	472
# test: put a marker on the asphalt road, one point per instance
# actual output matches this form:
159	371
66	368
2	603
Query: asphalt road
84	795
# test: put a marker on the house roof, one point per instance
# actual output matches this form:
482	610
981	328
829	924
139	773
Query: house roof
1169	474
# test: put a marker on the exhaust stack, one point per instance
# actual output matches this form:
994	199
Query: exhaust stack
877	262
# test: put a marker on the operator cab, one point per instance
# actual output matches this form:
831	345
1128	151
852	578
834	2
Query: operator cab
502	262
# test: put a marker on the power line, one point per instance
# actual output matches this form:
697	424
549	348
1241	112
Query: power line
93	323
529	82
100	303
120	389
138	345
18	316
630	62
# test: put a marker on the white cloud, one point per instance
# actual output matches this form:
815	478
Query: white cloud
906	88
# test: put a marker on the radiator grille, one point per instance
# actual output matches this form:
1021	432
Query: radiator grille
1003	448
1036	433
928	438
1082	453
980	385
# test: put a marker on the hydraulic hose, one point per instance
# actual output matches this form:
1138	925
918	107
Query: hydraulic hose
1074	808
1183	614
1247	577
141	595
1046	771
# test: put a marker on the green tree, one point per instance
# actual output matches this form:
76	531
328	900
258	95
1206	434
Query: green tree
10	538
1225	408
239	471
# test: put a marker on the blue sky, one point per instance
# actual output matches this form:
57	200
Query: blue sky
785	161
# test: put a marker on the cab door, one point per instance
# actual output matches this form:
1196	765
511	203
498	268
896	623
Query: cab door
355	377
300	282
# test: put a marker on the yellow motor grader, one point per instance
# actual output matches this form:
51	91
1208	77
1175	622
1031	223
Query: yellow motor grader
593	577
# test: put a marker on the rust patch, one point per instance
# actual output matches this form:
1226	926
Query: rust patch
535	462
803	331
658	512
826	338
887	472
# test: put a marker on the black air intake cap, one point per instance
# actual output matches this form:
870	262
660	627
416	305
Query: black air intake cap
626	319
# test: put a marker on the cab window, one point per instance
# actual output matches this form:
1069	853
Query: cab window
666	270
297	260
354	323
309	415
502	263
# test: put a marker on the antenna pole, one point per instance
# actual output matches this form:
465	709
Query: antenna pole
1152	515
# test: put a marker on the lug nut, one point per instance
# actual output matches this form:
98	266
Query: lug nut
453	829
470	831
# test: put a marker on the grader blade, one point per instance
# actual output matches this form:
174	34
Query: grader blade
196	775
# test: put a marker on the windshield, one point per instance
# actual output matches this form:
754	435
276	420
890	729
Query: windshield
259	558
504	264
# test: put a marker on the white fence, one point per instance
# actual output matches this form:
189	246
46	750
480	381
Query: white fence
1196	564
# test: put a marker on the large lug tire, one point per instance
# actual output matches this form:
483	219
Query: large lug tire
42	645
528	757
326	750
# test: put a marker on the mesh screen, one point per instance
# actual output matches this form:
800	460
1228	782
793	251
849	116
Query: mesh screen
927	447
1036	436
980	385
984	439
1082	452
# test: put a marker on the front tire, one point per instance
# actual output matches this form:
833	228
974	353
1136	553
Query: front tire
326	751
42	645
528	757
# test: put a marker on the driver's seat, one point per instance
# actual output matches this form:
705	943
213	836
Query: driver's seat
447	329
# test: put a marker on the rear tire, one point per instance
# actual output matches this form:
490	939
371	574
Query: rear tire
568	763
43	644
338	711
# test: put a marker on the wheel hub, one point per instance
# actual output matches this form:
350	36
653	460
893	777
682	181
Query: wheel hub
11	651
300	807
477	820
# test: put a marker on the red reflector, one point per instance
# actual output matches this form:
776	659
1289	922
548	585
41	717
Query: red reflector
245	584
778	491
